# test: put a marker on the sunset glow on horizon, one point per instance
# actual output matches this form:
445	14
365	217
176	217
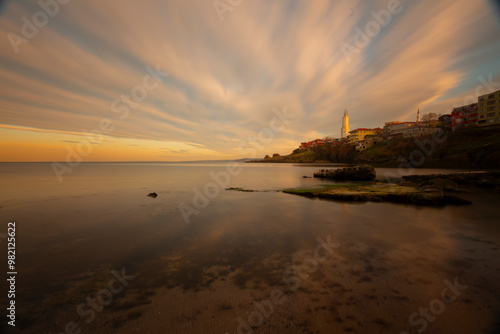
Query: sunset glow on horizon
184	80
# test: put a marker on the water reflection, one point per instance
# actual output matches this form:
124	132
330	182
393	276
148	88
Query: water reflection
392	259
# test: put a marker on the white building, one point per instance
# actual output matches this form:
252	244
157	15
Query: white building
369	141
344	131
395	128
418	131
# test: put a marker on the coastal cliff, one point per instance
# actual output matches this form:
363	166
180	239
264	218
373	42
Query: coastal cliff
470	148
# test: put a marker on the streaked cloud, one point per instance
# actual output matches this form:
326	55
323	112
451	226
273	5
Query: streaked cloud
225	77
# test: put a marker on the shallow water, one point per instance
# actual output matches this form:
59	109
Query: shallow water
202	275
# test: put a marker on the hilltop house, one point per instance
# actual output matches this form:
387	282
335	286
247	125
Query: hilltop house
419	130
313	143
368	141
464	117
355	136
489	109
397	128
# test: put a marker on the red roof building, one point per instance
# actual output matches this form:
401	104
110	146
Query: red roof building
464	117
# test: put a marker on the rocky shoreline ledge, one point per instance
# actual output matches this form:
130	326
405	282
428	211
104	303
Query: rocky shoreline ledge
383	192
423	190
358	173
481	179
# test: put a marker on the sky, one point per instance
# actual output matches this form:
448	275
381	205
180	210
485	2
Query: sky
177	80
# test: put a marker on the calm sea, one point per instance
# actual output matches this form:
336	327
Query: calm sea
71	233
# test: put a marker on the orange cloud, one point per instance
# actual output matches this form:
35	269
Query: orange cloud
225	77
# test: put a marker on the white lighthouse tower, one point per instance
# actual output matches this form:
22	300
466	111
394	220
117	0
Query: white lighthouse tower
345	125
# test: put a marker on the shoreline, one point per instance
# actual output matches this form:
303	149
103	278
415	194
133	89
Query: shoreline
434	190
204	276
430	165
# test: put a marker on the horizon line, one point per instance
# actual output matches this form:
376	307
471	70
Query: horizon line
155	161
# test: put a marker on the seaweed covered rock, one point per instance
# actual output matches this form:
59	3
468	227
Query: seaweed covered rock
382	192
358	173
441	184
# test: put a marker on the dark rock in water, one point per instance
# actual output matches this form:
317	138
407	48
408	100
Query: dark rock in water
306	177
241	189
380	192
251	190
154	195
481	179
358	173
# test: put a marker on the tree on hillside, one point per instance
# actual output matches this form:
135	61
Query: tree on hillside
432	116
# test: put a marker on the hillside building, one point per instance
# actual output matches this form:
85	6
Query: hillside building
464	117
355	136
368	142
397	128
489	109
419	131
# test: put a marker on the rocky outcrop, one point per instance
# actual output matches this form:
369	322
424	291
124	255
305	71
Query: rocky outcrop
441	184
250	190
478	178
383	192
421	199
241	189
358	173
